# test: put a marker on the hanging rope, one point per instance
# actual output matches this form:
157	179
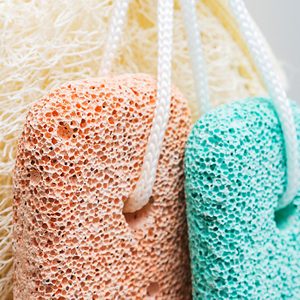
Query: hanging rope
143	191
260	54
196	54
115	32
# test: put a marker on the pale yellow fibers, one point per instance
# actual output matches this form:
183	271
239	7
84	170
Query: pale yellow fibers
46	43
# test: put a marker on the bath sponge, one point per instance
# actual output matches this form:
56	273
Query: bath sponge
47	43
79	157
241	247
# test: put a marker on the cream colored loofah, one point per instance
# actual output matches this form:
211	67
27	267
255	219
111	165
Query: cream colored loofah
47	43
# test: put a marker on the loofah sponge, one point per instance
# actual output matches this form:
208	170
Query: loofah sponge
235	173
79	157
47	43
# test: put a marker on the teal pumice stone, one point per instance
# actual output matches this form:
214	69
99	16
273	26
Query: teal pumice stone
235	168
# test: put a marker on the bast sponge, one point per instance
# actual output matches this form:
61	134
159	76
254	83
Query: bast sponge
79	157
47	43
235	173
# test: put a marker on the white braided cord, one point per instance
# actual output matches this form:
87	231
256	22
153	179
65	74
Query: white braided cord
144	186
196	53
260	55
115	31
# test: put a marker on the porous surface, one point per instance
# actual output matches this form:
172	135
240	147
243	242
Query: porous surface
47	43
235	173
79	157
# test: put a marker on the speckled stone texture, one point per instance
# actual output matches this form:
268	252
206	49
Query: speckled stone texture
235	173
79	157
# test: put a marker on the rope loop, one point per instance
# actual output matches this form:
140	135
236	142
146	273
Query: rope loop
196	53
263	62
276	91
257	47
144	186
143	190
115	31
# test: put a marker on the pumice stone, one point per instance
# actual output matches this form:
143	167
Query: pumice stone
79	158
241	246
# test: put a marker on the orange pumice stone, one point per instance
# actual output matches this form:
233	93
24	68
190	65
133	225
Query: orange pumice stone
79	158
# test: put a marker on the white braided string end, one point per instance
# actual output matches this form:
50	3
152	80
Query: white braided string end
260	54
196	53
144	186
115	31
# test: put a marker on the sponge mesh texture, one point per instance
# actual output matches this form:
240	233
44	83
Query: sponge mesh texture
235	173
47	43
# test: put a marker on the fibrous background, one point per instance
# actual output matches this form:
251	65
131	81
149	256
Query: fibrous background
44	44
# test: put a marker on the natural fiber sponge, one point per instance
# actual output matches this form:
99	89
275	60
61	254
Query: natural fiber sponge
47	43
235	173
79	158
